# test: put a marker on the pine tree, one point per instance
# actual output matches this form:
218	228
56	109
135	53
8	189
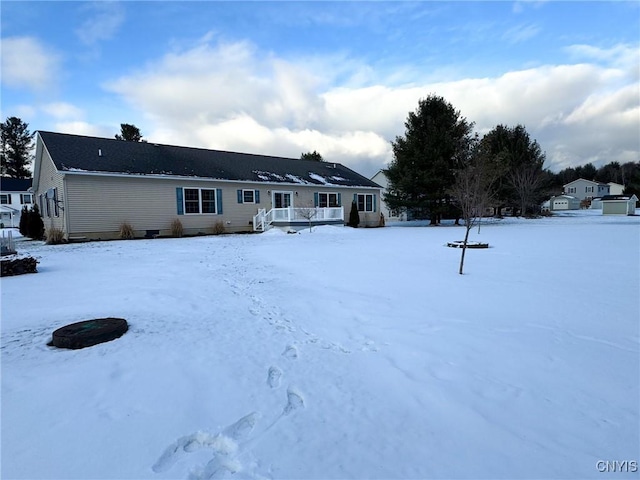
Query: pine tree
425	158
354	216
17	142
129	133
24	221
35	225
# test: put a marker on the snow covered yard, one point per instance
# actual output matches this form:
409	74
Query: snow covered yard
335	354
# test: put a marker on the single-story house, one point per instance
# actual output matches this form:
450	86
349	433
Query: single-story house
89	187
619	205
564	202
585	189
15	193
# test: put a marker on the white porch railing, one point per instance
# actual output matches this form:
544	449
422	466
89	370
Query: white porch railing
263	219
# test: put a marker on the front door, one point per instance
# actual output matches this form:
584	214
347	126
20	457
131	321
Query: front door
282	199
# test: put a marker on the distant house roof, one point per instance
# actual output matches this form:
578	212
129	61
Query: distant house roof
81	154
617	197
8	184
585	180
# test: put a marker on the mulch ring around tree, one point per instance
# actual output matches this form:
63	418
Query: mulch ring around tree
460	244
89	333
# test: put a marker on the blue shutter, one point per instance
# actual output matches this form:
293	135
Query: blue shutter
257	196
355	197
374	204
179	201
219	201
240	199
316	200
339	199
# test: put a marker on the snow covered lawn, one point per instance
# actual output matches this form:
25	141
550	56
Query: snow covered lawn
335	354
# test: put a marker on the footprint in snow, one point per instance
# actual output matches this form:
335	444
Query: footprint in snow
273	377
225	445
295	401
290	352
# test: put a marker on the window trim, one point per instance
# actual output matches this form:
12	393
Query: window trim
253	195
364	202
8	198
22	198
328	197
200	201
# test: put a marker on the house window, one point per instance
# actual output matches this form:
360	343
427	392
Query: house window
571	190
199	201
5	199
589	189
328	200
55	202
26	198
248	196
365	202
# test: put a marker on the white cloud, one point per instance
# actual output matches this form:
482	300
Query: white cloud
104	22
83	128
62	110
27	63
231	96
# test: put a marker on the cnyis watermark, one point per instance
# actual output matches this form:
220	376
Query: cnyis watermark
624	466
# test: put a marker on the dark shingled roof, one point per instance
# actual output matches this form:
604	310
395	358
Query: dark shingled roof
615	197
14	184
92	154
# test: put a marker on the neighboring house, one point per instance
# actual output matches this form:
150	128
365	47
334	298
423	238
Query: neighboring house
88	187
619	205
585	189
14	195
391	215
564	202
615	188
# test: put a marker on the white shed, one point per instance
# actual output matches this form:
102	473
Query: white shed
619	205
564	202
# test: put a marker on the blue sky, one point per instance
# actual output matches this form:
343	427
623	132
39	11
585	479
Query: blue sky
283	78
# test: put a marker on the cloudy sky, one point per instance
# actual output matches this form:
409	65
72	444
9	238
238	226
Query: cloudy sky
282	78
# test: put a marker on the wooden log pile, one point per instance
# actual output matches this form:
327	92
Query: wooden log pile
18	266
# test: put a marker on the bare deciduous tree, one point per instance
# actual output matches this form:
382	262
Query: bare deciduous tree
473	189
308	212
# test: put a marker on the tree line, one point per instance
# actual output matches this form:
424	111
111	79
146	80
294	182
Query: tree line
439	148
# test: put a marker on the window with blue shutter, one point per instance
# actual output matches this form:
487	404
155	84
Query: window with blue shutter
366	202
248	196
198	201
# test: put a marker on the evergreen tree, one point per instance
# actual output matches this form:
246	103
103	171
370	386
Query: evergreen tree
35	225
315	156
17	142
24	222
354	216
521	161
425	158
129	133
